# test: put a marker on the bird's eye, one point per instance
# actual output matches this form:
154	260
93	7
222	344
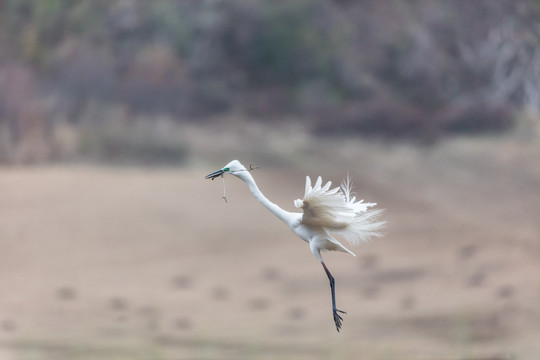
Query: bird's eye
226	169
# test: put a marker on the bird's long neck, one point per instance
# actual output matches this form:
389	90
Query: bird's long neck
275	209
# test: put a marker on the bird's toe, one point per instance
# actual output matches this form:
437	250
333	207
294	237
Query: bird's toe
337	318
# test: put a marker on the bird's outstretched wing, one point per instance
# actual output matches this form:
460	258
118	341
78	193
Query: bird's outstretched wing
324	207
336	210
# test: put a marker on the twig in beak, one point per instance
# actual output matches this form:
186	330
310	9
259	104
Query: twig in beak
224	197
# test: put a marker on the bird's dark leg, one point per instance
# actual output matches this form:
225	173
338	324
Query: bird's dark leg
337	318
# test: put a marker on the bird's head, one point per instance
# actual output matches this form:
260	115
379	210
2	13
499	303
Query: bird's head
233	168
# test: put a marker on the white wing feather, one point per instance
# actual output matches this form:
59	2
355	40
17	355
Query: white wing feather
336	210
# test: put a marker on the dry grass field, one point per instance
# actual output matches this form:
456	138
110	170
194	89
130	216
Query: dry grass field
111	263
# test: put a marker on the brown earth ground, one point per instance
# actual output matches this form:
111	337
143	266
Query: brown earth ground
110	263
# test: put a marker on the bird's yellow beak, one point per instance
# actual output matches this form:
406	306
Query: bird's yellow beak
215	174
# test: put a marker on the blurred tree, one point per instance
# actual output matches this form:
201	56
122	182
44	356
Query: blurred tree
388	67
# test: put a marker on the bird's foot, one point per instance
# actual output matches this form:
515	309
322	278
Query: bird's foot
337	318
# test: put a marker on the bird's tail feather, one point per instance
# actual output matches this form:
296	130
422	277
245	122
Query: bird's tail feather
364	226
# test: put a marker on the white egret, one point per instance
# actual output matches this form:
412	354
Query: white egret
325	212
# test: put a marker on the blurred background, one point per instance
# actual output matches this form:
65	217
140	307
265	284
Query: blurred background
113	246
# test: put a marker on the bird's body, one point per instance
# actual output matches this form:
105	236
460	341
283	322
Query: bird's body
325	212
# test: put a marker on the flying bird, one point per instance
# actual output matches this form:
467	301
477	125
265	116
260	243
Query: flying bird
325	212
